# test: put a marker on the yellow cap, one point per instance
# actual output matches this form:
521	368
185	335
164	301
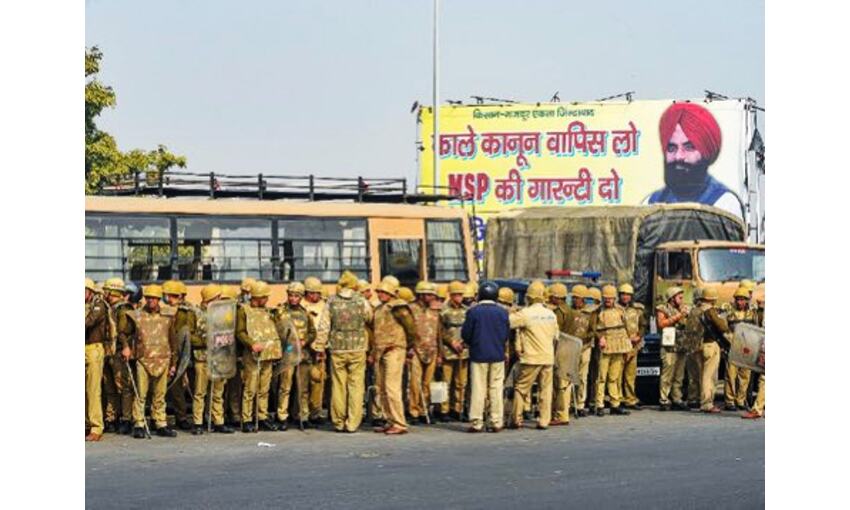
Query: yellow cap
609	291
749	285
116	284
347	280
470	290
741	292
558	290
579	291
673	292
210	291
260	289
229	292
424	287
153	291
363	285
406	294
506	295
536	291
295	289
594	293
457	287
90	285
389	285
626	288
312	284
443	291
247	284
710	294
172	287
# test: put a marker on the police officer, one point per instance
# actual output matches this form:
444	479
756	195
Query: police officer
257	331
506	299
395	336
155	350
673	314
614	342
636	328
233	386
342	329
118	394
454	352
406	295
209	294
184	319
304	325
712	328
315	305
377	370
584	329
738	379
97	334
757	409
564	318
536	331
426	356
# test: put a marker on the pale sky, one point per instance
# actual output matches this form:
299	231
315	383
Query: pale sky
325	87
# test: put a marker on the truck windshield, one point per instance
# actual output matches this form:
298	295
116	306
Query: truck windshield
731	264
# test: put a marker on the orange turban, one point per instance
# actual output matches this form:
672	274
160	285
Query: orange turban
697	123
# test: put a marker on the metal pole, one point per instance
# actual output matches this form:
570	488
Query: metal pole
436	98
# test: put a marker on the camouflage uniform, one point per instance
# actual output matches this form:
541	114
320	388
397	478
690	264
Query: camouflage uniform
635	326
424	362
305	328
156	353
737	379
709	354
343	329
455	366
117	389
255	324
611	325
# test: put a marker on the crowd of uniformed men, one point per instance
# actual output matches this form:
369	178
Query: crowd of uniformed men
384	348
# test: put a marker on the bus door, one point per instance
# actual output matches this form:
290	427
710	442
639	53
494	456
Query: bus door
400	245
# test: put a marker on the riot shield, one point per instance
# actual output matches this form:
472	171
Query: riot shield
221	339
567	358
291	345
184	354
747	350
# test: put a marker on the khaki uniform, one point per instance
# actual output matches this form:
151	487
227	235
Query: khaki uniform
306	331
203	382
257	325
758	405
673	360
118	391
156	353
343	328
635	326
395	332
611	325
97	334
455	366
565	318
185	316
317	388
424	362
537	329
737	379
709	355
583	326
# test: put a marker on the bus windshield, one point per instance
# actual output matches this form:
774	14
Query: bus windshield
731	264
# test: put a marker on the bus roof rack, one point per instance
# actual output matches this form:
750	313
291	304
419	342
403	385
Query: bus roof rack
268	187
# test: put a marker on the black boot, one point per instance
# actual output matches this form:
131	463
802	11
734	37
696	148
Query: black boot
664	407
282	425
620	411
248	427
197	430
601	411
125	428
166	432
109	427
267	425
139	433
423	420
184	425
223	429
581	413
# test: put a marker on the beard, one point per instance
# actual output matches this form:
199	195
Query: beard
686	180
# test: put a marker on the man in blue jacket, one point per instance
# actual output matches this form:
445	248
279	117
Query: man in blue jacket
486	330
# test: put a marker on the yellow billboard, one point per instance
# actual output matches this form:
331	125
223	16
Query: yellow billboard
577	154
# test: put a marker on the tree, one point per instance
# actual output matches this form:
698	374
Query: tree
105	163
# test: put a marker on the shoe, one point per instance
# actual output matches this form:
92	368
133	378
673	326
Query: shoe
223	429
198	430
600	412
730	407
516	426
317	421
474	430
281	426
555	423
395	431
423	420
166	432
581	413
680	406
268	425
693	405
634	407
248	427
713	410
184	425
527	415
110	427
139	433
125	428
751	415
622	411
94	437
454	415
379	422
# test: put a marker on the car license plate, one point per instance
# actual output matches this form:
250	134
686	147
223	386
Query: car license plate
648	371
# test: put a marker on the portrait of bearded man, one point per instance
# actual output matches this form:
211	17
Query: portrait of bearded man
691	141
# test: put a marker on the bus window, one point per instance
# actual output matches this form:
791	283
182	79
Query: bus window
400	258
129	247
224	249
446	256
322	247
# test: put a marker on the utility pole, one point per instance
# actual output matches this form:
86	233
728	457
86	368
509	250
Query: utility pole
436	98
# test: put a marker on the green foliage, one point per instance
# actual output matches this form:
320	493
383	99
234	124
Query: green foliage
105	163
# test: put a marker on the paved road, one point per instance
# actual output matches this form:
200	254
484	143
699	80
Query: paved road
647	460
